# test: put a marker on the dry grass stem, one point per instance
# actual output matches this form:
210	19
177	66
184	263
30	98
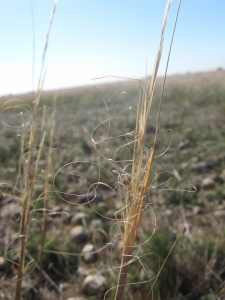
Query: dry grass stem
139	175
29	169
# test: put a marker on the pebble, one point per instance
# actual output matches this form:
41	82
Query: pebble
88	256
85	199
184	165
95	224
168	212
94	284
56	212
110	214
2	261
91	198
78	218
208	183
10	210
78	234
76	298
197	210
219	213
201	166
184	144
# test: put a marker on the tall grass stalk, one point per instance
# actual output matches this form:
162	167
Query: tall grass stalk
46	191
139	175
29	169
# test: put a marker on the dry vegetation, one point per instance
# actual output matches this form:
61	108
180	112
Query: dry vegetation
194	110
102	199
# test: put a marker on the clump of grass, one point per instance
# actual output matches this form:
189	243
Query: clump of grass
137	181
28	169
141	171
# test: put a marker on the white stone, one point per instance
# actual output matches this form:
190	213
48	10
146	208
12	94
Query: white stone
208	183
95	224
94	284
78	218
78	234
88	256
2	261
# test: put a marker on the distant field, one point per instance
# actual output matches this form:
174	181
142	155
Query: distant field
190	156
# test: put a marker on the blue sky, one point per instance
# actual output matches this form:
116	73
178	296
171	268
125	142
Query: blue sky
93	38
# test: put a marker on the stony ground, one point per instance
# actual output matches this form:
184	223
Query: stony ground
186	193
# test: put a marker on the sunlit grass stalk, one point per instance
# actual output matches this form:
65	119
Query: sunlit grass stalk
29	173
29	179
46	191
139	176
